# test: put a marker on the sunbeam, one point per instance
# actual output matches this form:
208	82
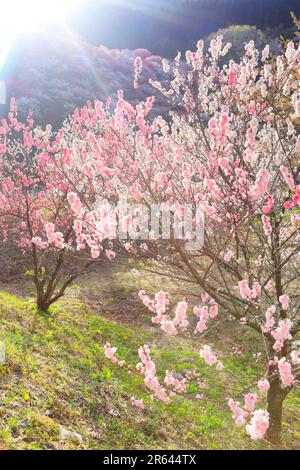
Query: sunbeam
18	16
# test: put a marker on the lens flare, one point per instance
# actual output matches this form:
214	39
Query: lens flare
22	15
18	16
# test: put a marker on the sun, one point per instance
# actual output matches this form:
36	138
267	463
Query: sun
18	16
24	15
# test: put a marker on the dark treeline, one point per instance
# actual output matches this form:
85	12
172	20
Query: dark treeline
165	26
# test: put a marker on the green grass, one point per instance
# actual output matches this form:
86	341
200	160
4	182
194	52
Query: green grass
56	375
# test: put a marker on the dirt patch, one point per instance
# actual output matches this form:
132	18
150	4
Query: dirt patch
103	291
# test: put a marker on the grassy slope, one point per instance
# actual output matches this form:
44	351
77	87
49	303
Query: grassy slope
56	374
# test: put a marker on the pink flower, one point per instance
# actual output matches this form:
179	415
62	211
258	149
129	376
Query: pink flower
248	293
269	205
95	253
232	80
203	314
288	205
138	403
228	256
288	177
295	218
110	353
138	68
240	421
180	315
269	286
128	247
250	401
200	396
270	320
178	155
205	297
168	327
146	300
245	289
75	204
110	254
201	325
284	300
161	301
295	356
177	385
54	237
238	413
213	311
296	198
259	425
265	53
136	194
209	357
264	385
285	372
147	367
282	334
261	184
37	241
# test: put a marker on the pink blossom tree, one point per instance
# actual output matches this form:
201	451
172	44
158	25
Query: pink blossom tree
35	215
237	133
232	148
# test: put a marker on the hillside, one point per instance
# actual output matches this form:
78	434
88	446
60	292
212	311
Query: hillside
53	74
59	392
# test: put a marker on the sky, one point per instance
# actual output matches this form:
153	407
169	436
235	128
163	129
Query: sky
162	26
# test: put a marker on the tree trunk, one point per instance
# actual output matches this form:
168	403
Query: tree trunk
275	399
42	302
42	305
